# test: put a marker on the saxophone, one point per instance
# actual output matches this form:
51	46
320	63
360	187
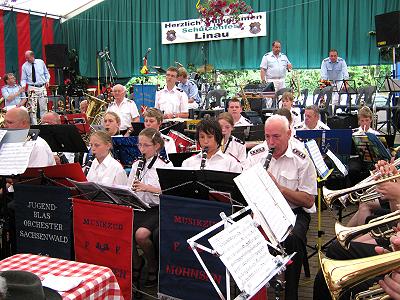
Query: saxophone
246	103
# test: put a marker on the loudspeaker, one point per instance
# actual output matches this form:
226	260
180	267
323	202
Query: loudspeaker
387	28
57	55
343	121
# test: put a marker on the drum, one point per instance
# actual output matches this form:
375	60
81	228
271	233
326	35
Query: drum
182	142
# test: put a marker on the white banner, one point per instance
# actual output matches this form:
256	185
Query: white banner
194	30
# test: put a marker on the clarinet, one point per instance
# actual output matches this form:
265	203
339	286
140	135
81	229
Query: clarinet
140	167
268	159
89	164
203	158
63	158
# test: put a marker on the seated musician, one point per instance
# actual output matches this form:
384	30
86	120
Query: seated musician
311	120
125	108
13	93
364	121
41	155
363	246
209	136
104	168
189	87
153	118
83	106
112	123
230	144
287	102
286	113
294	174
235	109
171	100
144	180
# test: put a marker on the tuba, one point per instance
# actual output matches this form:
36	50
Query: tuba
341	275
94	109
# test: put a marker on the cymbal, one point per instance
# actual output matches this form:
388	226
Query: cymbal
205	68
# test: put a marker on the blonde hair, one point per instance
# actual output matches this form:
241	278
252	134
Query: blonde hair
103	136
115	115
153	112
288	96
154	135
364	112
227	117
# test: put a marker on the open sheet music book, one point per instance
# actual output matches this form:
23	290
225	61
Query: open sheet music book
15	151
317	158
117	194
270	208
244	251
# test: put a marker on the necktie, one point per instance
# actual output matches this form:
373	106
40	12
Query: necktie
33	73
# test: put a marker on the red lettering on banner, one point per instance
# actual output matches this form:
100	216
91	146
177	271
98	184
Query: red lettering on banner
188	272
194	222
175	246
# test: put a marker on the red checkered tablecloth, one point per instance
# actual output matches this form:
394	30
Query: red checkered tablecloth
100	282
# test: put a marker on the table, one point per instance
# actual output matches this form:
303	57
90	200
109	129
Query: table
100	282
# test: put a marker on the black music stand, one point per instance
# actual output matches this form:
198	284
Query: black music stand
62	138
199	183
391	86
178	158
346	87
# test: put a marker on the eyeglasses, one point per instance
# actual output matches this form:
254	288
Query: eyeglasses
144	145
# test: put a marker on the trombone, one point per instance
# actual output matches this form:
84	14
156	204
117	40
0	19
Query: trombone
345	234
340	275
357	191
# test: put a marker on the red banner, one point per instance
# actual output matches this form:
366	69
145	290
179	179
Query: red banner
96	226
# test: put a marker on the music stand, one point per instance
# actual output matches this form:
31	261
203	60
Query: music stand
137	127
62	138
391	86
198	184
346	87
178	158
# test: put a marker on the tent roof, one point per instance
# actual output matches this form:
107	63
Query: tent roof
65	9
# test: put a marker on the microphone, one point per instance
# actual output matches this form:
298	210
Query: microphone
89	163
140	167
147	53
203	158
268	159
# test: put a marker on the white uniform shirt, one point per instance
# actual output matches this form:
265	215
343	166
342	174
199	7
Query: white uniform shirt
296	116
360	131
127	111
275	67
294	169
320	126
169	144
171	101
218	162
41	155
150	177
236	148
109	172
243	122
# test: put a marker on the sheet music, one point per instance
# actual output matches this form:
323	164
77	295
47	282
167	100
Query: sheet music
337	163
317	158
14	157
268	204
2	134
244	251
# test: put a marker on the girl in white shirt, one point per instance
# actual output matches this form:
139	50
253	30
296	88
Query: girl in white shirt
144	180
104	169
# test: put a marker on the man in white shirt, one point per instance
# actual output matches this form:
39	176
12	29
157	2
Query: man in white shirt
311	120
274	65
235	109
172	101
41	155
126	109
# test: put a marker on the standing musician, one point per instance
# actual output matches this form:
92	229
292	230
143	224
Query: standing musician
125	108
189	87
104	169
144	180
13	93
294	174
230	144
274	65
287	102
311	120
171	100
209	136
34	73
235	109
153	118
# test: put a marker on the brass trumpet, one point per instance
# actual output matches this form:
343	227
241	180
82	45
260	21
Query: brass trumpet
345	234
375	292
331	196
341	275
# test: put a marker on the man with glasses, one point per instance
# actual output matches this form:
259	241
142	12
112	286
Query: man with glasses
172	101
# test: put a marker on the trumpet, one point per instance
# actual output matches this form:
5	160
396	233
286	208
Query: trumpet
345	234
375	292
359	189
340	275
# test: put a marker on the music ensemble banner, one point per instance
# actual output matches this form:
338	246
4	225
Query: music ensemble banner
43	220
181	275
194	30
103	236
